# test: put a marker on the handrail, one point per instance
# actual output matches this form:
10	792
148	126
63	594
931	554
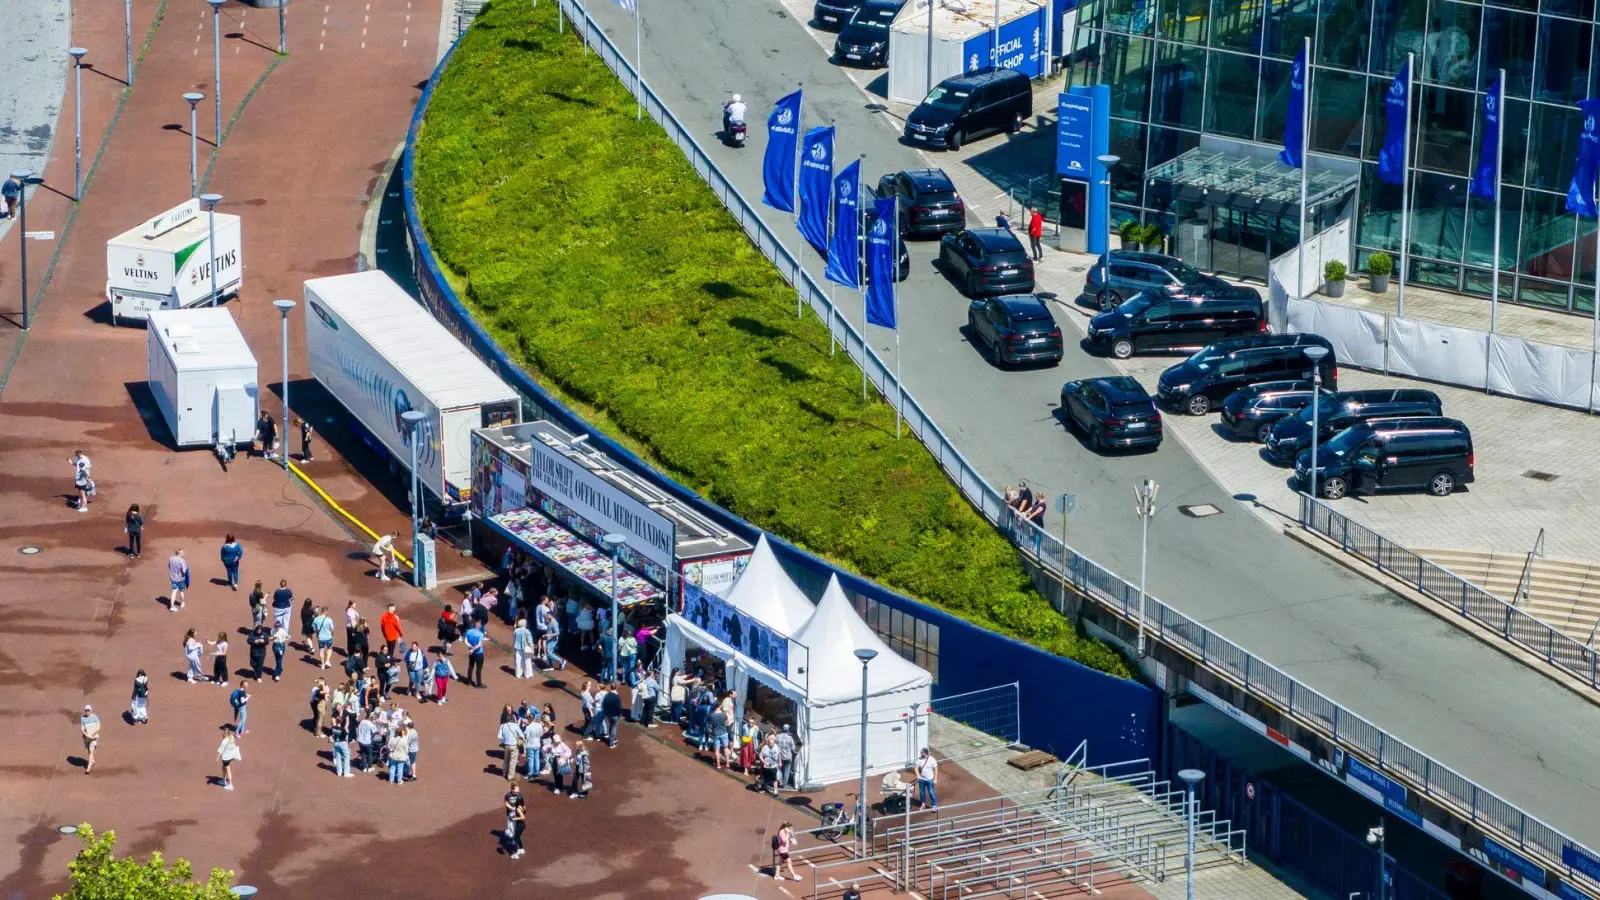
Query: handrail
1527	570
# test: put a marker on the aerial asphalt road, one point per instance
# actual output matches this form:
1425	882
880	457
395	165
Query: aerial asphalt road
1461	702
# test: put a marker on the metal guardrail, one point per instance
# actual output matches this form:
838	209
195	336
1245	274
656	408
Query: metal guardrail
1217	654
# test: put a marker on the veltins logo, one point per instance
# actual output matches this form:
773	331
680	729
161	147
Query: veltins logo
323	315
819	152
880	228
784	115
138	260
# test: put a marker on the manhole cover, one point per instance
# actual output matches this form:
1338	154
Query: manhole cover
1537	475
1075	269
29	551
1200	510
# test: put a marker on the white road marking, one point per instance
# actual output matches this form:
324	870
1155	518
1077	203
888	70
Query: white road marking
403	44
319	47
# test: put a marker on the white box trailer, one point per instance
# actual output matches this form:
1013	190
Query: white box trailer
165	263
967	35
380	354
202	374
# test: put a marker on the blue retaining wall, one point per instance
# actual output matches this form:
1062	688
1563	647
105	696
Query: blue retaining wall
1062	702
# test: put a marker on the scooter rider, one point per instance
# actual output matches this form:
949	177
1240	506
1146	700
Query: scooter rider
733	113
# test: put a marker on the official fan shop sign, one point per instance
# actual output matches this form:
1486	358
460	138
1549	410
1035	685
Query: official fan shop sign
650	534
750	636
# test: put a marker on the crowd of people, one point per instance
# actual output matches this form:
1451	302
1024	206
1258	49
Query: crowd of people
1027	505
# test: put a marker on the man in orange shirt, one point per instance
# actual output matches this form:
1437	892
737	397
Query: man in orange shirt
389	623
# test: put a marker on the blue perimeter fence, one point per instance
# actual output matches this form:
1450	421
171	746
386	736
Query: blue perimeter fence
979	658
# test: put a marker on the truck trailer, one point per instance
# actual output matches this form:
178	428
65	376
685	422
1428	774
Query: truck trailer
166	263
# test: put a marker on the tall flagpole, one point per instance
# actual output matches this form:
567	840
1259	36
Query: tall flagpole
1405	184
833	207
800	261
861	272
638	62
1499	154
1305	166
894	304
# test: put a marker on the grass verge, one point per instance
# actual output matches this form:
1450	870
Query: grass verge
590	249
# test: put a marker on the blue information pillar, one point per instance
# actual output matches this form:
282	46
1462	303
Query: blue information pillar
1083	135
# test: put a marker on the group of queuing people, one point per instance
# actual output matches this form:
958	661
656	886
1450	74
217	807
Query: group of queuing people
1027	505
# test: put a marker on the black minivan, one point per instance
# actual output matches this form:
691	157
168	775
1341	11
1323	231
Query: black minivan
971	105
1338	411
1152	320
1250	412
1429	453
864	40
1200	383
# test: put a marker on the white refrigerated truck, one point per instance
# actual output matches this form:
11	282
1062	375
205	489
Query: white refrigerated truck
165	263
203	376
380	354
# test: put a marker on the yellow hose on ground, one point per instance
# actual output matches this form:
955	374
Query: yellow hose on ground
342	511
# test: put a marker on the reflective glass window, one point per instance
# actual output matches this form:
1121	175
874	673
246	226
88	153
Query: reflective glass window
1127	178
1343	41
1552	146
1507	42
1576	9
1236	25
1445	138
1288	23
1583	270
1480	230
1274	114
1397	29
1179	86
1129	16
1542	293
1231	82
1529	5
1434	274
1450	53
1561	73
1547	236
1185	20
1169	143
1128	61
1336	112
1514	161
1438	216
1380	212
1479	281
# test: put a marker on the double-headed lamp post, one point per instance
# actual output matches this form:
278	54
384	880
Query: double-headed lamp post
210	201
1379	838
194	98
283	307
1190	777
1107	163
614	544
866	655
1144	506
77	54
1315	354
413	419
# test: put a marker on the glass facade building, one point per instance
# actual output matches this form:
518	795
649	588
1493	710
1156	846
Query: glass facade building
1193	76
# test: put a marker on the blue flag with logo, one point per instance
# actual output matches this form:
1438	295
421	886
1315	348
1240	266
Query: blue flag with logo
777	168
1580	196
1485	181
816	183
844	245
1294	131
881	263
1396	107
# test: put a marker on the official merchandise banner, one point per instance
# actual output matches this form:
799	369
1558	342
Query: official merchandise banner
750	636
816	183
844	246
1396	107
649	533
777	167
1019	45
881	264
579	557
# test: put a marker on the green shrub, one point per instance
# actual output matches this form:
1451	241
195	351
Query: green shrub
587	246
1380	264
1130	230
1333	270
1151	234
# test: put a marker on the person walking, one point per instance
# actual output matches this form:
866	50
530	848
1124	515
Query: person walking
267	434
587	698
308	630
258	603
927	780
649	691
366	733
352	621
280	646
399	754
475	641
627	655
320	702
193	650
10	193
232	552
322	627
771	759
89	727
228	753
282	604
339	731
443	674
782	846
133	524
532	745
1036	234
510	738
522	646
239	700
582	783
258	640
786	754
178	575
305	439
82	481
413	747
389	624
219	659
416	660
560	765
611	713
516	820
139	705
447	632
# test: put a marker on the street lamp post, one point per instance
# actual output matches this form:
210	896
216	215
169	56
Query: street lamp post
283	27
413	419
1315	354
1144	506
210	201
1106	163
216	60
1379	837
614	544
866	655
25	177
194	99
77	121
283	309
1191	777
127	36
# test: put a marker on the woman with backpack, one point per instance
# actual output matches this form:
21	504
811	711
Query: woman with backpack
581	781
139	706
560	765
443	674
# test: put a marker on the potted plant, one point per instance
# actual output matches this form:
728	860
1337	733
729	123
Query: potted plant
1129	231
1379	265
1333	278
1152	238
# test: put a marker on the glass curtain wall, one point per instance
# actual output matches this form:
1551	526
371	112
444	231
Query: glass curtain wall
1180	68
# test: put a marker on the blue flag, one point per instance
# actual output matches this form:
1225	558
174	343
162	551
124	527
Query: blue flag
844	246
1580	196
777	169
1294	131
1397	107
1485	182
881	264
816	183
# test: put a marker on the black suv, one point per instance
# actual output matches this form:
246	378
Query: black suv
1154	320
1251	412
1119	274
929	203
1338	411
1113	412
864	41
1015	328
987	261
971	105
1430	453
830	15
1200	383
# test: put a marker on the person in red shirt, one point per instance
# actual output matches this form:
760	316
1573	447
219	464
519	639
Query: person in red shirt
1036	233
389	623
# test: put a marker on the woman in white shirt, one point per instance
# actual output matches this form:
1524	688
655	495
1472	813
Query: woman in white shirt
228	753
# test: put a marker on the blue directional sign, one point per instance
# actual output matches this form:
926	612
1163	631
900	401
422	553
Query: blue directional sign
1074	123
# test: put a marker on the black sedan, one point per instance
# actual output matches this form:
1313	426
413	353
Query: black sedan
986	261
1251	412
1112	412
864	41
1013	329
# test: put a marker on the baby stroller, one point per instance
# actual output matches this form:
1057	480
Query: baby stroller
897	794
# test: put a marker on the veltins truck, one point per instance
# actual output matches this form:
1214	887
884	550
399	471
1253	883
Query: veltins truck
380	354
165	263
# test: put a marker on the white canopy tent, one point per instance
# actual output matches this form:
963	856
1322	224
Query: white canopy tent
767	593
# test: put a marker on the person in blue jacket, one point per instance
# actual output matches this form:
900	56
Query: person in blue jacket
232	552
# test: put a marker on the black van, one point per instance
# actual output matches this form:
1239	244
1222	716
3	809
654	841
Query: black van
1338	411
1200	383
971	105
1251	411
1154	320
1430	453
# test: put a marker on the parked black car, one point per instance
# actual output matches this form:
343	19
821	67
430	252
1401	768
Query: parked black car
1338	411
1113	412
1250	412
1430	453
929	203
1200	383
972	105
830	15
1154	320
1014	328
864	40
987	261
1119	274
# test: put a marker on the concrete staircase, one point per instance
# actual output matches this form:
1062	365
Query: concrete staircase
1563	593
